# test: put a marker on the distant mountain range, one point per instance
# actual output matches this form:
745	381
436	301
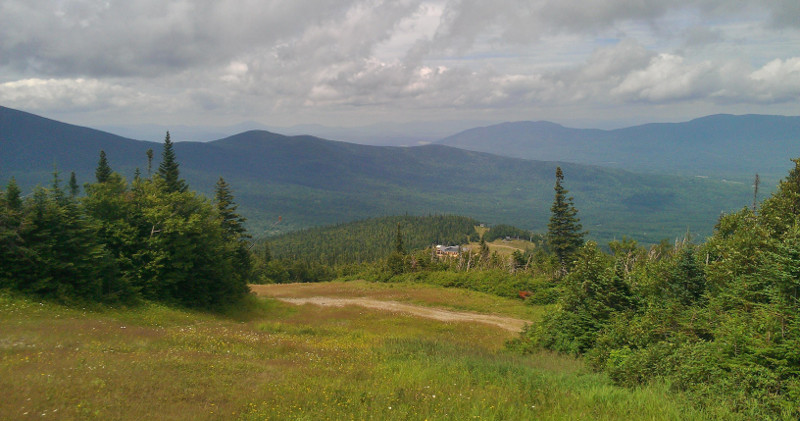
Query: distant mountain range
382	134
310	181
720	146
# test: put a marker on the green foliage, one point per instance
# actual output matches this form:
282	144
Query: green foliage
103	171
720	321
501	231
371	239
168	169
149	154
123	242
564	235
484	250
398	241
313	182
593	291
58	254
232	222
189	257
491	281
74	188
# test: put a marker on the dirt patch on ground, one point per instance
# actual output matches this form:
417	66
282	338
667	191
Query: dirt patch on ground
507	323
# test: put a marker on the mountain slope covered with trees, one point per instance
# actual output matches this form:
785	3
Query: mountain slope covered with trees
372	239
305	181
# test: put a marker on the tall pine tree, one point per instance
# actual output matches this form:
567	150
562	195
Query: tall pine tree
13	197
564	233
103	171
232	222
74	189
149	162
168	170
398	241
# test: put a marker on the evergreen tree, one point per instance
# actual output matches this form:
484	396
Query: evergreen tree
168	170
56	191
687	280
484	251
66	259
149	162
396	261
103	171
232	222
12	250
398	241
564	230
266	254
13	196
74	189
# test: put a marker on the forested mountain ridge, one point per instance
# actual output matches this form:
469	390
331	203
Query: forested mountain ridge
311	181
721	146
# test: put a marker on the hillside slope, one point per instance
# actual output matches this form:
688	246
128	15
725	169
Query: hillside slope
310	181
717	146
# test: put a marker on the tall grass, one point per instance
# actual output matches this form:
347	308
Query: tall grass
268	360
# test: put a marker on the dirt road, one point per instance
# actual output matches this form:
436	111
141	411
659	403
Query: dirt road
507	323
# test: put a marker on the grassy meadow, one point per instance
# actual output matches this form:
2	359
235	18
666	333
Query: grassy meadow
272	360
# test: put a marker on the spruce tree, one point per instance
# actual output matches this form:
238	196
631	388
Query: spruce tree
484	250
168	170
56	191
266	254
74	189
564	230
149	162
103	171
232	223
13	196
12	249
396	260
398	241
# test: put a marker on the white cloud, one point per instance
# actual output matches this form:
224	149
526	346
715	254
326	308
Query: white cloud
277	59
667	77
62	94
778	81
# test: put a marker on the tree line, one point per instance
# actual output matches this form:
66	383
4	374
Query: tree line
371	239
151	238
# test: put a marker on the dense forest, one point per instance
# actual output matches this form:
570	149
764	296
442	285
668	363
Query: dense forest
372	239
502	231
151	239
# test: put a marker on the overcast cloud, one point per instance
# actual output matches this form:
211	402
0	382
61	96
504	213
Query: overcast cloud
350	62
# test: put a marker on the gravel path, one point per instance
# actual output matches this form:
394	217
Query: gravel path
507	323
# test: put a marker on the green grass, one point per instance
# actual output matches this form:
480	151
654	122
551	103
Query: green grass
427	295
268	360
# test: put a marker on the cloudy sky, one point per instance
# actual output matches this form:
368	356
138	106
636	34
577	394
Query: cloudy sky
598	63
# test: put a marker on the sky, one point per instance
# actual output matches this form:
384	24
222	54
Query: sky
599	63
